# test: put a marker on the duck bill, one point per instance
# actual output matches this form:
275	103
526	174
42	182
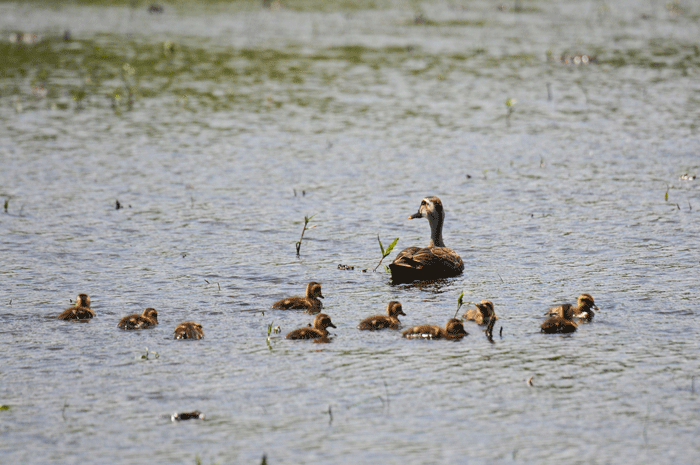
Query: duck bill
320	296
415	215
332	326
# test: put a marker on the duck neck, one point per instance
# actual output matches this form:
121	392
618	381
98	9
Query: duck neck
436	231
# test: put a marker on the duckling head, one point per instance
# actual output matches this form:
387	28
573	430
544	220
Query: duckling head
151	313
586	300
83	300
323	321
313	290
394	309
455	327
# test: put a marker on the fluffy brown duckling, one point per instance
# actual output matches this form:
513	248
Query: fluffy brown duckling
432	262
561	324
375	322
321	322
81	311
454	329
310	303
583	311
148	319
189	330
482	314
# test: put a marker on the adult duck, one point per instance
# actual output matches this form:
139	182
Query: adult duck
428	263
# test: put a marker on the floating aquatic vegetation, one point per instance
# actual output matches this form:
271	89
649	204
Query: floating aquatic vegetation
386	252
146	356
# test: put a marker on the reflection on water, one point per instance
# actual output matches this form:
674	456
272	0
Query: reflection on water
206	124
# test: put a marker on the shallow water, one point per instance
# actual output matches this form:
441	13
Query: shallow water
245	120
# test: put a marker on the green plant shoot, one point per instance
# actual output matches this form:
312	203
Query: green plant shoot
386	252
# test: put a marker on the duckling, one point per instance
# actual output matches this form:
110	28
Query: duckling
81	311
375	322
432	262
561	324
319	331
189	330
482	314
583	311
148	319
310	303
454	329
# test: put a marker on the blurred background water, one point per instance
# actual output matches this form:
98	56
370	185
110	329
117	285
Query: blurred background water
220	126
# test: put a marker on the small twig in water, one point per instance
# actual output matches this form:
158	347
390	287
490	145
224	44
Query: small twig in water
330	414
7	203
386	252
499	275
306	222
500	333
529	381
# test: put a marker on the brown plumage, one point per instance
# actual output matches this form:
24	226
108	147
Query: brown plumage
189	330
81	311
454	329
321	322
561	324
393	310
583	311
482	314
432	262
148	319
310	303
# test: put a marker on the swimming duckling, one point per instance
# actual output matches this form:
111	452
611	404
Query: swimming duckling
148	319
561	324
189	330
81	311
321	322
375	322
432	262
310	303
482	314
454	329
583	311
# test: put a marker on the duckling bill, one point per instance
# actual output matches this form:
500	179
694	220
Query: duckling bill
81	310
429	263
390	320
310	302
